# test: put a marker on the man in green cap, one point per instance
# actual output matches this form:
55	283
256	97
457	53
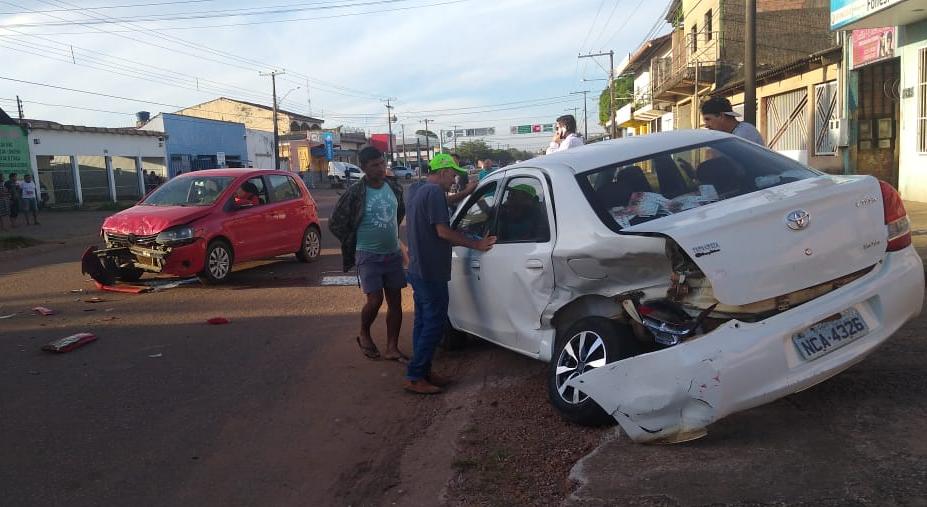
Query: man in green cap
430	239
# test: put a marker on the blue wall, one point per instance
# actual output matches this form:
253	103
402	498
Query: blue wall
204	138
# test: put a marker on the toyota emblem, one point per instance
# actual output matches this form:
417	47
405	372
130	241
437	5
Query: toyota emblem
798	219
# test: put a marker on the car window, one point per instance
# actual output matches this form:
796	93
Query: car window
189	191
256	186
522	213
282	188
633	192
475	219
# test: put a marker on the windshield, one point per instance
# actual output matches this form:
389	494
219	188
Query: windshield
189	191
636	191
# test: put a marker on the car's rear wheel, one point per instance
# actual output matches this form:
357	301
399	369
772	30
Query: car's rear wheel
218	264
590	343
311	246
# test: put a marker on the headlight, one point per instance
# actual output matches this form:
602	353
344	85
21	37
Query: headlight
177	235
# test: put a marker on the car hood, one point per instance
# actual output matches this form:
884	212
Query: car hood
145	220
749	251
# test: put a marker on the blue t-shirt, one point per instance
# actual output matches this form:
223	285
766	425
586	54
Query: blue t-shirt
429	255
378	231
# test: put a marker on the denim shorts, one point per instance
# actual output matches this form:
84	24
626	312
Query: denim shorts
380	271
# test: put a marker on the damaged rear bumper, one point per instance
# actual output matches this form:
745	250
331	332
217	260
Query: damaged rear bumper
673	394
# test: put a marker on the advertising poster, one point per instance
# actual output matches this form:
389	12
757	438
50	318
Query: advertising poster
14	150
872	45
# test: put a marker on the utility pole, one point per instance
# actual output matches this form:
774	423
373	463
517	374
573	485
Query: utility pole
405	151
427	148
611	87
455	138
19	105
585	113
750	63
574	109
273	80
389	123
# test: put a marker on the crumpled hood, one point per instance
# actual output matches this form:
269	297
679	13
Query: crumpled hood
146	220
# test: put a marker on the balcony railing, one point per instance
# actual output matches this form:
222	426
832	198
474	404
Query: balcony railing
679	68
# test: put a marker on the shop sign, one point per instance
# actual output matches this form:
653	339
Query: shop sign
872	45
14	150
844	12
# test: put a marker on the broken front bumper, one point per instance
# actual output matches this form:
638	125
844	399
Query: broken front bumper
673	394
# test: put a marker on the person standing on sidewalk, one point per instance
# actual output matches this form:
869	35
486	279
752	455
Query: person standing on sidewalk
30	199
366	221
565	136
12	187
718	114
4	204
430	241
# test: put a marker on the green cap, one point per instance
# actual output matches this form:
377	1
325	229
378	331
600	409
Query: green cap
528	189
444	161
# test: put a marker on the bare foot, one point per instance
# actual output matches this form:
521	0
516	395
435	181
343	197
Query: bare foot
395	355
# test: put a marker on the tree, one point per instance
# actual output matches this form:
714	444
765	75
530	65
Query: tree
472	151
426	133
624	90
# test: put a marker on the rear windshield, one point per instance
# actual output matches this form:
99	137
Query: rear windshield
189	191
636	191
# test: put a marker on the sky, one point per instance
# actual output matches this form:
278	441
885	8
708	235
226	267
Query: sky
464	63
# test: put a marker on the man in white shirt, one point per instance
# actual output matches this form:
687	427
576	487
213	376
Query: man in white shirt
30	202
717	114
565	136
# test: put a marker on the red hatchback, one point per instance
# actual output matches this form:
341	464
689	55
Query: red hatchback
200	223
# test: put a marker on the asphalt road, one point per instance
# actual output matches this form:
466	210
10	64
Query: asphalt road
276	408
280	408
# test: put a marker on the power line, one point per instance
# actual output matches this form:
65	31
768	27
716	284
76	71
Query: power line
158	4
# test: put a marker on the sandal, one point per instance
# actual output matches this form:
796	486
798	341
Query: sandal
401	358
371	351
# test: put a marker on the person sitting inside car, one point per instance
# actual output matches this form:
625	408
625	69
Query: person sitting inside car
247	195
521	217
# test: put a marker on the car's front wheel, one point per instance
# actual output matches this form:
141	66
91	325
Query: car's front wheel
311	246
590	343
218	264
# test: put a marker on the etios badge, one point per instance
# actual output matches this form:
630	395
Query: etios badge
798	219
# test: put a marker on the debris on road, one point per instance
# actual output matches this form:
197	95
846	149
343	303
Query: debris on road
10	316
216	321
155	356
340	280
95	299
77	291
128	289
41	310
159	285
69	343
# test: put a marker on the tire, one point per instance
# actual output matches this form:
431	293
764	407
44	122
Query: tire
217	267
595	342
454	339
130	274
311	245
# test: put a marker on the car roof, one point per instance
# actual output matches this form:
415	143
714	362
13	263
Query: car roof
595	155
232	172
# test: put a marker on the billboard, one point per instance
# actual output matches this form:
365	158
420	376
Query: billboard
872	45
478	132
844	12
14	150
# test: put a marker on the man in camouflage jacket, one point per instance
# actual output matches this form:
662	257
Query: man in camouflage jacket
347	217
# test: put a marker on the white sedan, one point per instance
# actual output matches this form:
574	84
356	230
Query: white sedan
676	278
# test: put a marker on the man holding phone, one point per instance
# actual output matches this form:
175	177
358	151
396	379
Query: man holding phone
565	136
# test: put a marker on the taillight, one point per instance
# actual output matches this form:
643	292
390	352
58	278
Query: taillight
896	218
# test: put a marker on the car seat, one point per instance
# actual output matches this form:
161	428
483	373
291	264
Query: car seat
671	181
721	173
618	193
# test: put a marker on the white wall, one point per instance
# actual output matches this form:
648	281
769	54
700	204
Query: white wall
260	148
912	166
63	142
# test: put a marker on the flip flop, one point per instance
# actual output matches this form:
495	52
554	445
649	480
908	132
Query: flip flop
401	358
370	352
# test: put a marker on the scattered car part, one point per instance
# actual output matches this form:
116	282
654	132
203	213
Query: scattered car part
69	343
41	310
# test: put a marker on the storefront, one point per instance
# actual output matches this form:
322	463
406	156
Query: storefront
887	90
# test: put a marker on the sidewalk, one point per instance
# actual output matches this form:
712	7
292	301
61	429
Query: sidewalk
57	228
917	213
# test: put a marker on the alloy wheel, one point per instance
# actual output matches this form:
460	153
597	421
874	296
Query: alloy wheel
313	246
219	263
585	351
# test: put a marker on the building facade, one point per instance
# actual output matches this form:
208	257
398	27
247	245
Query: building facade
254	116
643	114
197	143
76	165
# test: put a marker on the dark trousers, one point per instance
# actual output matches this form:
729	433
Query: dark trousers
431	300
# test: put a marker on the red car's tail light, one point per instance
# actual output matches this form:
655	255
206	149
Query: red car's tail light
896	218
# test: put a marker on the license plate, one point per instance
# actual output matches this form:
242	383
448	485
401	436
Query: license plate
825	337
